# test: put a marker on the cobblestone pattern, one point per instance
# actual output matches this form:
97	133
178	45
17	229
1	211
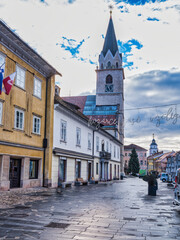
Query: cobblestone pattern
116	211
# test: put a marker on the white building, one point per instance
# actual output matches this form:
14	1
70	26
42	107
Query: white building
81	151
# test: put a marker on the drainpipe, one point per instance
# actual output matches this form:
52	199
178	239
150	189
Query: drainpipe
45	139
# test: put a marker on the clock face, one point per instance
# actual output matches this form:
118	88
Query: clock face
109	88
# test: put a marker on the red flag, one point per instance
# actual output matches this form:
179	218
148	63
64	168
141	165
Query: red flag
8	82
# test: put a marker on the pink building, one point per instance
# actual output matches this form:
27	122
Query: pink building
142	156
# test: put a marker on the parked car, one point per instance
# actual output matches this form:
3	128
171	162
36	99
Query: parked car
177	188
164	177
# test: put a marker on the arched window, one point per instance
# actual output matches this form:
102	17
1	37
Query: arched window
109	64
109	79
116	64
102	67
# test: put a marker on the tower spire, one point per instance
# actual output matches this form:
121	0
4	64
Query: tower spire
110	42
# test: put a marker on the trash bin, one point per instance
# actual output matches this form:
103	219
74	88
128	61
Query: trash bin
121	177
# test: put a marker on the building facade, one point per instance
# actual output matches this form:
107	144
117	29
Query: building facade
82	151
173	163
142	156
107	106
26	115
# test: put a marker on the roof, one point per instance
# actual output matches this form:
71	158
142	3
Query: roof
131	146
155	155
153	142
77	100
163	158
110	42
21	49
106	115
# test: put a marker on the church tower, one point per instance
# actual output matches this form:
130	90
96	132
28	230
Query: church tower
110	74
153	147
109	86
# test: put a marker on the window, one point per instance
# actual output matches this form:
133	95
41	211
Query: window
36	125
19	119
2	59
145	154
33	169
78	136
63	131
89	140
116	64
97	168
114	151
102	145
141	162
109	79
102	67
37	87
1	112
110	148
126	154
20	77
97	144
109	65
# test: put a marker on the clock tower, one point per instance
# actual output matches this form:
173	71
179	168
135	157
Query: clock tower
110	74
109	86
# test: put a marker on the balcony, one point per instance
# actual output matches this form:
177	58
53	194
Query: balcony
105	155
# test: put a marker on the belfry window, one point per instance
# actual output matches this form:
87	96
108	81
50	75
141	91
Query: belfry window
116	64
109	79
102	67
109	65
109	85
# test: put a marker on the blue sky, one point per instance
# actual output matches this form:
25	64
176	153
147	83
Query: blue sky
69	34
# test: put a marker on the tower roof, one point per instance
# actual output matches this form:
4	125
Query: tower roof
110	42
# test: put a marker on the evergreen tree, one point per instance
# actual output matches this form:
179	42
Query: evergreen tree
133	166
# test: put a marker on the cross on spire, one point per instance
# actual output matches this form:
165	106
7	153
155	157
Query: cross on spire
111	8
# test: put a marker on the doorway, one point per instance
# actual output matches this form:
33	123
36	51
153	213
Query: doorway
89	170
15	173
62	171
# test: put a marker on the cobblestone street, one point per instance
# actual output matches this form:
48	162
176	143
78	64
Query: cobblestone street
121	210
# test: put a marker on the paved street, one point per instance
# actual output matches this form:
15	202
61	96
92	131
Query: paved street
121	210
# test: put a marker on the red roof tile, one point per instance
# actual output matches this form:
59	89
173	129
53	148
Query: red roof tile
131	146
77	100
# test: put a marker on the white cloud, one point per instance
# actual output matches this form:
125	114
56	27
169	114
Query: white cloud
44	25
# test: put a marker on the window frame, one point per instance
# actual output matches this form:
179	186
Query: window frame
3	57
16	78
97	144
15	119
63	134
36	169
89	141
78	139
38	118
35	92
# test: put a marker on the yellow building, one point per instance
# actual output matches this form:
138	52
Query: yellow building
26	115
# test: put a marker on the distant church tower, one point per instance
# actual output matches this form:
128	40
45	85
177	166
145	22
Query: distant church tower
153	147
110	76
